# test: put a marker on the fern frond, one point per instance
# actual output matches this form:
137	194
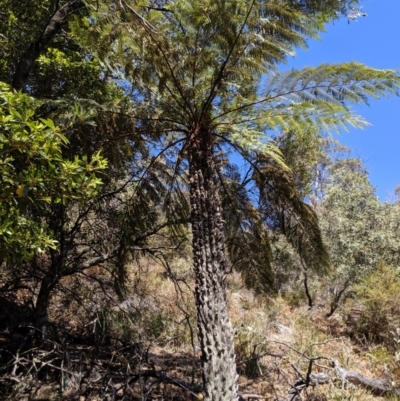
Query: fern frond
283	207
332	83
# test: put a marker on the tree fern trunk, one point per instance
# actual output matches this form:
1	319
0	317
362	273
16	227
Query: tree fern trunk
215	329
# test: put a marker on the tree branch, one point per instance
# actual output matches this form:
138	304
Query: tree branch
53	26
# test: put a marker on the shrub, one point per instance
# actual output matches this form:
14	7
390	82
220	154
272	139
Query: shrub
378	306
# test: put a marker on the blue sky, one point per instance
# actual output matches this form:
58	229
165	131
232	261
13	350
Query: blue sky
374	41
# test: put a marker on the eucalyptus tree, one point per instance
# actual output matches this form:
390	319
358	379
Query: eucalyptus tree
204	79
360	230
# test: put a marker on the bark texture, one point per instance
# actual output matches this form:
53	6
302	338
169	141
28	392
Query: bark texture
215	330
35	49
52	277
43	301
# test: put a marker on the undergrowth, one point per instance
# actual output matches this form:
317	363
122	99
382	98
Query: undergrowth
98	352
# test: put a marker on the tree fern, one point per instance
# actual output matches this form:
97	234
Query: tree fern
204	74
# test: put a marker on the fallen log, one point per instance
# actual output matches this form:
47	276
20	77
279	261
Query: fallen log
377	386
339	373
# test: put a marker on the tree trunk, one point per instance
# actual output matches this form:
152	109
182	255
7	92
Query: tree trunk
337	297
43	301
47	285
307	290
215	330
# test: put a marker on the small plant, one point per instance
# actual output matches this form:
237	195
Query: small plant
156	325
111	324
250	346
296	298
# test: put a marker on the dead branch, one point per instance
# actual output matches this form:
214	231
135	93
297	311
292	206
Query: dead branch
339	373
377	386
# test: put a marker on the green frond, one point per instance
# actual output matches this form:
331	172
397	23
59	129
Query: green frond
283	207
246	235
317	116
250	254
332	83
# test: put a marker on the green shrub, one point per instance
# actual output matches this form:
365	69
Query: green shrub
378	305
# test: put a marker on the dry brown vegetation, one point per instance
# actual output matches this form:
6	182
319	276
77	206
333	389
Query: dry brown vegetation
145	347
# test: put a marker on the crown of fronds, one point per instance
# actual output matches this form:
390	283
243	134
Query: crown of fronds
213	62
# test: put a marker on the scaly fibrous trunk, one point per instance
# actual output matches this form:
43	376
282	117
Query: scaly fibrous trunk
215	330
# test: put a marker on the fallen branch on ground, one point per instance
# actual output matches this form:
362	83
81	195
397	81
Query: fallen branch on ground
339	373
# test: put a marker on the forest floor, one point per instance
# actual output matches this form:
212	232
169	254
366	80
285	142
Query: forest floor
145	348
